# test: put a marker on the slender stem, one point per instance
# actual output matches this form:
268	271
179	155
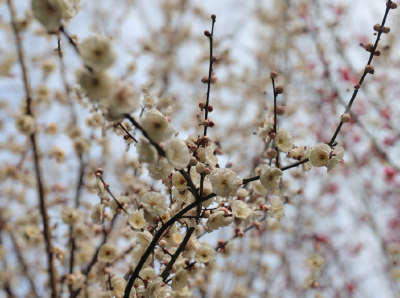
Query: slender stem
275	120
114	198
181	247
23	263
38	173
127	132
210	70
371	56
159	149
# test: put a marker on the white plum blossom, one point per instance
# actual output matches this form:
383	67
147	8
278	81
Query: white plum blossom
335	157
159	172
97	214
284	140
98	187
149	101
97	52
136	220
154	203
225	182
144	238
179	280
146	152
307	166
205	254
270	177
240	209
48	13
124	100
277	209
319	155
258	188
148	273
107	253
25	124
267	127
70	215
70	8
177	153
179	181
153	289
218	220
96	85
156	126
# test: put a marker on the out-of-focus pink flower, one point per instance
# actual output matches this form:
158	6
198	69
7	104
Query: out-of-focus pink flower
389	174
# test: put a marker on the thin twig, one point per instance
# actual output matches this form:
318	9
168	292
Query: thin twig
42	199
210	70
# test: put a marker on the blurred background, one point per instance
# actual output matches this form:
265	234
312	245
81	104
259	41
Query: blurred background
350	216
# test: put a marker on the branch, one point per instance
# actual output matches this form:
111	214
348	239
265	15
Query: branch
42	200
157	237
371	56
127	132
210	36
159	149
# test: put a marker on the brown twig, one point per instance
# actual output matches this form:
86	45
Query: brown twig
42	199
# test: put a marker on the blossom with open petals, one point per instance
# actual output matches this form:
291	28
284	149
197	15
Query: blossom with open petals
225	182
284	140
160	171
270	177
107	253
156	126
218	220
179	280
48	13
136	220
319	155
205	254
146	152
154	203
277	209
97	52
240	209
335	157
177	153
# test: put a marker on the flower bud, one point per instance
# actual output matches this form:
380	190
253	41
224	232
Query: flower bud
202	105
206	122
210	109
207	33
206	139
242	193
162	243
369	47
280	110
377	53
370	69
357	87
271	153
386	30
201	155
213	16
272	135
273	74
377	27
393	5
193	161
206	214
204	80
345	118
193	148
200	167
207	171
279	89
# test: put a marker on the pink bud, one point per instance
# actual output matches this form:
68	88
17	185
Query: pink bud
272	135
280	110
204	80
207	33
207	171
